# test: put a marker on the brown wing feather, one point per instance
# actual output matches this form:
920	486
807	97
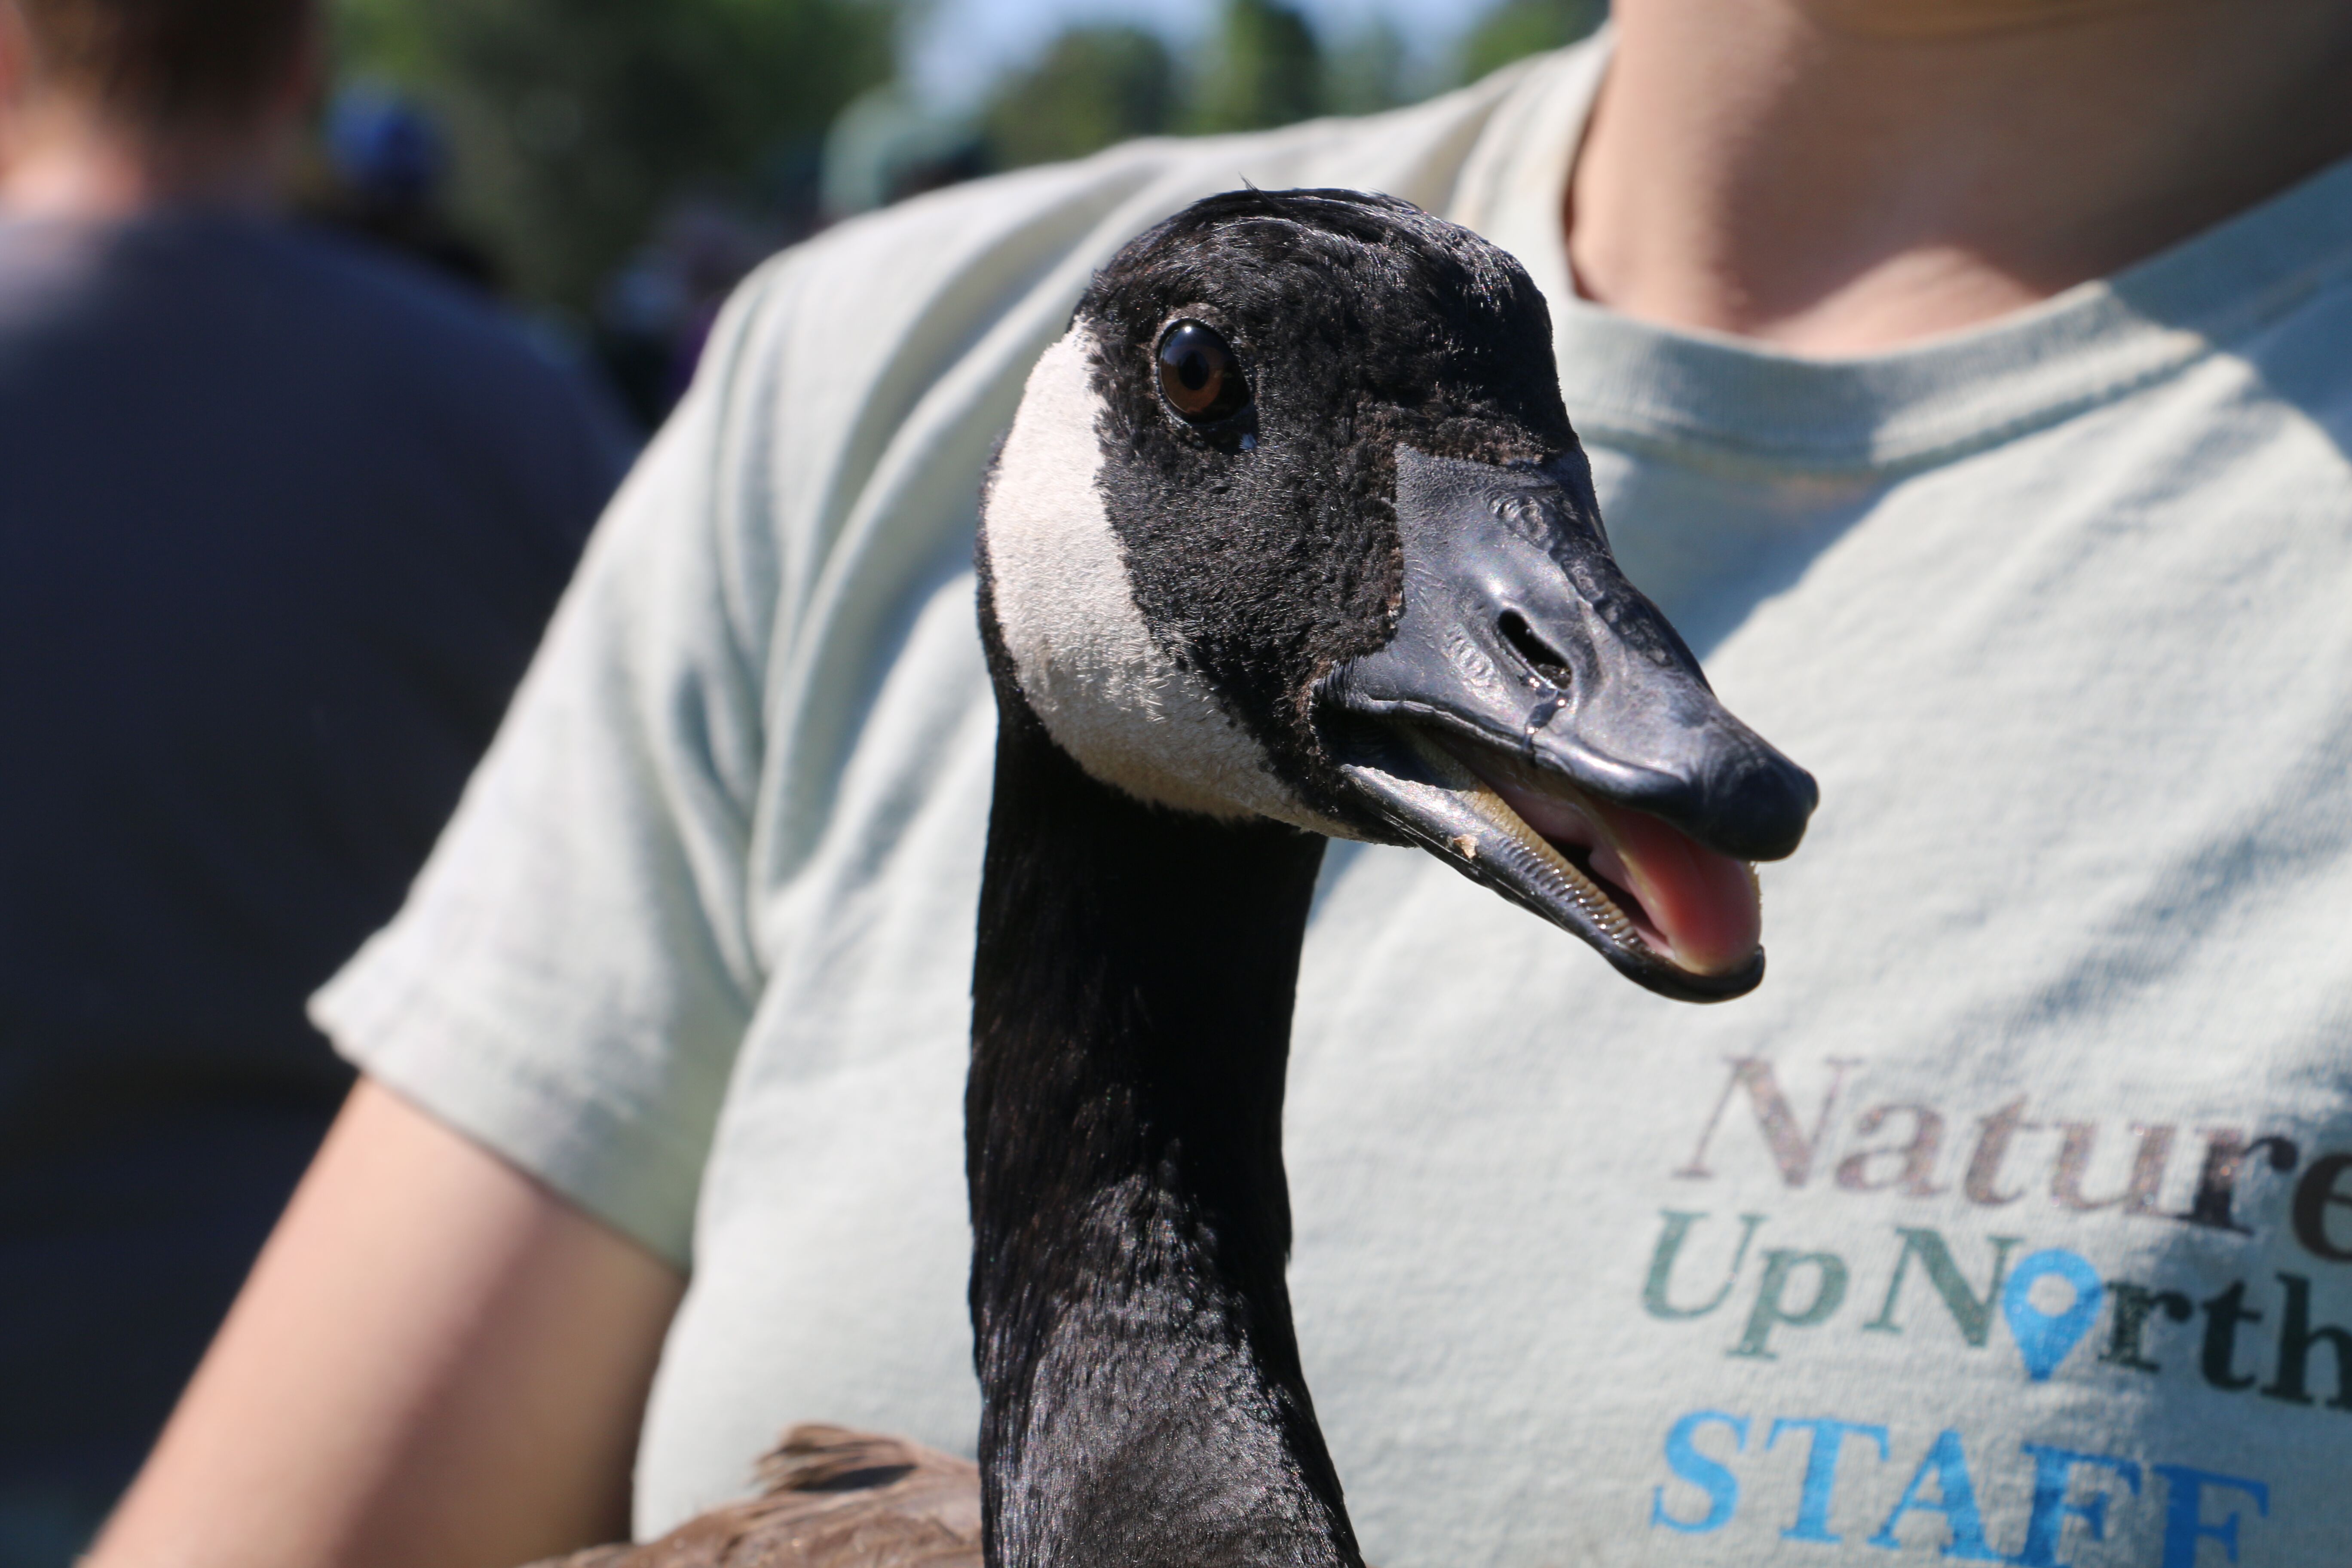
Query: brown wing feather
829	1497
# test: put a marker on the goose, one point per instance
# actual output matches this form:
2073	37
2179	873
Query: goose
1290	540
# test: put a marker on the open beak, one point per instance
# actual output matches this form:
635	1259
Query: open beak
1536	723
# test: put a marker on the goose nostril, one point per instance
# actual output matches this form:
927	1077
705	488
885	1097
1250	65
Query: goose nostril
1540	655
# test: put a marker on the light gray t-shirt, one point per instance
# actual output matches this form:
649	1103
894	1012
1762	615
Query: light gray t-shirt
2007	1221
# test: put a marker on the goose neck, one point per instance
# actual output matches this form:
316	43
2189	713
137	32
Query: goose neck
1132	993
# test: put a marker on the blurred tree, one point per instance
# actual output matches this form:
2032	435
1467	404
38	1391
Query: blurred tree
1518	28
1367	73
1263	69
1095	86
573	123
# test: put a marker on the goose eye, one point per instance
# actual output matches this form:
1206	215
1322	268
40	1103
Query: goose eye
1198	375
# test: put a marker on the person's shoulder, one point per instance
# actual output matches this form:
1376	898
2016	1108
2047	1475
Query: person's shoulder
382	293
427	340
43	262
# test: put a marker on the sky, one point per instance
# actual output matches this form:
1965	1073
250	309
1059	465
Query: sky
960	45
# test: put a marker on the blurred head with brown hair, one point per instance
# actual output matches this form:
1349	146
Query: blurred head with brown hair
166	64
111	105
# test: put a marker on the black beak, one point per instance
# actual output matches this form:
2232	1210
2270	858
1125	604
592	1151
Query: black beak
1528	678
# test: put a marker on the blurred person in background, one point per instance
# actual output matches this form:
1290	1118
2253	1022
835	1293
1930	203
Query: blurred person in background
656	313
280	521
385	167
1966	378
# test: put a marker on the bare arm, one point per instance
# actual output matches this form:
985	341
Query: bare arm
436	1361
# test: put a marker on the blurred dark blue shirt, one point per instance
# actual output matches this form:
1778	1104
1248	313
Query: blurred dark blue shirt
280	523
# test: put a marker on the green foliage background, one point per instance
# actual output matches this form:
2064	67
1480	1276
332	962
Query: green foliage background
1263	66
573	120
1093	87
1518	28
574	123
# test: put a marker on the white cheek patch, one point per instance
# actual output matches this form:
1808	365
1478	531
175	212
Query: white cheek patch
1104	690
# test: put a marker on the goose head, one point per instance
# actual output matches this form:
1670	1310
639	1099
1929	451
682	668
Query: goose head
1292	525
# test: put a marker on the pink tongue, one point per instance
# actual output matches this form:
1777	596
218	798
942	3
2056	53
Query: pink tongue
1703	904
1697	908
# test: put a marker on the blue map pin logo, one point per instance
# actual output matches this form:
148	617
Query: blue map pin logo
2045	1338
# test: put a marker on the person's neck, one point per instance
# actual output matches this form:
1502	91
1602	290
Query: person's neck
1131	1000
1840	176
66	162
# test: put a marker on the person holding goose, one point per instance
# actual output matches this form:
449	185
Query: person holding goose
1958	376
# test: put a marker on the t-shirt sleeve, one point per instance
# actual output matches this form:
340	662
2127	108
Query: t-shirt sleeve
572	973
